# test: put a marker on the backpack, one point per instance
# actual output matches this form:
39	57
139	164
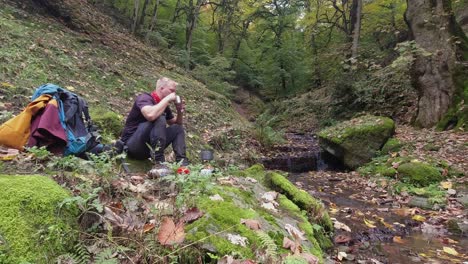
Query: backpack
74	116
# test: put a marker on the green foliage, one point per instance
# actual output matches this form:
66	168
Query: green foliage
189	186
216	75
67	163
87	202
271	249
40	154
106	257
265	134
294	260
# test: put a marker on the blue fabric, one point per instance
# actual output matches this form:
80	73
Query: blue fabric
76	144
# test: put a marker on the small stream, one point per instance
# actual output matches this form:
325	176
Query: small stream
353	205
388	237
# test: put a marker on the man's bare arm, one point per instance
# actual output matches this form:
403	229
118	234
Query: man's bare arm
152	112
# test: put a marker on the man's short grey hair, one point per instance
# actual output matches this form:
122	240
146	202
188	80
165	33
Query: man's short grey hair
164	81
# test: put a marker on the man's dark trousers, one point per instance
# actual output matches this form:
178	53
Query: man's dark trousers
157	136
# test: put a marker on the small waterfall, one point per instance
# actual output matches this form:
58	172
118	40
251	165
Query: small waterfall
302	153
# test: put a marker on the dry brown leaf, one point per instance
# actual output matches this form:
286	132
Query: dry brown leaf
169	233
294	246
148	227
339	239
398	239
294	232
192	214
252	224
311	259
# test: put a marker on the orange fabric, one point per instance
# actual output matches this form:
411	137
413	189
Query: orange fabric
14	133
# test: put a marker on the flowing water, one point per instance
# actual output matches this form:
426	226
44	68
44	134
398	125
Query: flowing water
381	231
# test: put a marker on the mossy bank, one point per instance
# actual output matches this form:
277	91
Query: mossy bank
32	226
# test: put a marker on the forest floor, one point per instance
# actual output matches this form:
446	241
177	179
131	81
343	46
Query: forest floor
377	223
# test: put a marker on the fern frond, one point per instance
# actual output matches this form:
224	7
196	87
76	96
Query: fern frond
106	257
271	250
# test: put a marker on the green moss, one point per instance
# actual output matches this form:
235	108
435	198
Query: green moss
364	125
301	198
392	145
318	240
30	223
420	174
256	171
226	216
109	122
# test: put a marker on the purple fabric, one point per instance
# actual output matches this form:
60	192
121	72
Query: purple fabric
135	117
46	130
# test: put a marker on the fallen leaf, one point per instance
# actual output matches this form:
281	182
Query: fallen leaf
294	232
342	255
450	251
169	233
291	245
398	239
237	240
269	206
340	239
252	224
339	225
148	227
419	218
269	196
311	259
369	223
216	197
192	214
8	154
447	240
446	185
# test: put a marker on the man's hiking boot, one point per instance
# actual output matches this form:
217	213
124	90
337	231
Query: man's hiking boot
159	170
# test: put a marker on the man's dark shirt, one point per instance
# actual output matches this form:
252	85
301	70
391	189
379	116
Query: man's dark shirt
135	117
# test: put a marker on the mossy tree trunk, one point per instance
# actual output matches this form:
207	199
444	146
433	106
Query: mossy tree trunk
435	76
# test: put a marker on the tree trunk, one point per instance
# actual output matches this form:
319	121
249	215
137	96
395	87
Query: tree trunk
191	23
434	29
135	15
153	19
357	30
242	36
141	21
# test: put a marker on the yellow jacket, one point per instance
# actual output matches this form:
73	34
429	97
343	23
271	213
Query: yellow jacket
14	133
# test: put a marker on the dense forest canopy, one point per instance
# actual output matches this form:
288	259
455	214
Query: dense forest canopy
361	50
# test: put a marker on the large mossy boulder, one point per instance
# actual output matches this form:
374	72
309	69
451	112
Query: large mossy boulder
419	173
32	228
356	141
239	197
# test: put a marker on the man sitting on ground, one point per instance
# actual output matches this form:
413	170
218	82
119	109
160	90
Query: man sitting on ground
145	133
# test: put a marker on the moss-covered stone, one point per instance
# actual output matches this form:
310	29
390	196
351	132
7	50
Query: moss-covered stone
32	227
316	211
109	122
223	217
356	141
256	171
419	173
392	145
